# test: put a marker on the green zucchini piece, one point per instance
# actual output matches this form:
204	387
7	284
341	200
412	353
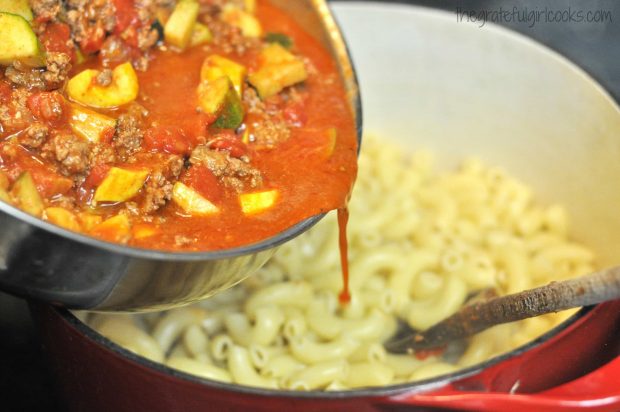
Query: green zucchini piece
19	7
19	42
26	195
200	35
280	38
180	26
219	97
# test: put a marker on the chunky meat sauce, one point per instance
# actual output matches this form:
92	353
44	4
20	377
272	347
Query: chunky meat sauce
175	125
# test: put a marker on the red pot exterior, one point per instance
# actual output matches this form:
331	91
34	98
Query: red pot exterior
95	375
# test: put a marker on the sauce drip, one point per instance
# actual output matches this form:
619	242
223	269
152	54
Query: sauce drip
343	219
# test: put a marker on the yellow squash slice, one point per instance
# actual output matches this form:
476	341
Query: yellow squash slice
120	185
179	28
192	202
83	88
116	229
25	193
244	21
89	124
252	203
278	68
63	218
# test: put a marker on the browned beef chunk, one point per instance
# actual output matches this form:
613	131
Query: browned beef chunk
104	78
90	18
71	152
34	136
114	51
271	127
101	154
158	188
46	9
235	173
15	115
226	37
23	76
52	77
57	70
129	132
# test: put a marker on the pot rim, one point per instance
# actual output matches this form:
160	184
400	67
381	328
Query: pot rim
424	385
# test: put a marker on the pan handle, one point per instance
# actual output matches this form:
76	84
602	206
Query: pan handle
598	391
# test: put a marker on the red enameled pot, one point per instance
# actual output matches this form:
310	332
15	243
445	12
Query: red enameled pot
575	366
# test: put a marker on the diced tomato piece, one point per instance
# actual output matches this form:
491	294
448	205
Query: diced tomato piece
50	183
228	141
5	92
93	41
202	180
126	15
107	135
48	106
96	176
167	139
57	38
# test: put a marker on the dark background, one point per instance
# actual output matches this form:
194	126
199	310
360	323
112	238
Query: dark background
25	382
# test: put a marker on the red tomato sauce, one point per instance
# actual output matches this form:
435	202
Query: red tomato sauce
313	170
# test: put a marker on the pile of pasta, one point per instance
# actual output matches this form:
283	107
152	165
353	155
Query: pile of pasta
420	244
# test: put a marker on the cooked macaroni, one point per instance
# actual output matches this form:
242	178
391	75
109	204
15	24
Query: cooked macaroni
420	244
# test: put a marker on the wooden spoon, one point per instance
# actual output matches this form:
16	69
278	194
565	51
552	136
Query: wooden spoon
585	290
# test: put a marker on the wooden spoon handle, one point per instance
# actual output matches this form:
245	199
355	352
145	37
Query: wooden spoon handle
585	290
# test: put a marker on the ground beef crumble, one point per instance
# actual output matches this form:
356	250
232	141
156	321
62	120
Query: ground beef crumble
158	188
34	136
270	127
104	78
52	77
90	18
71	152
129	133
235	173
15	115
46	9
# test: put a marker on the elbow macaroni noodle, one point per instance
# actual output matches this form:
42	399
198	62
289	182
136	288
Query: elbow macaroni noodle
420	244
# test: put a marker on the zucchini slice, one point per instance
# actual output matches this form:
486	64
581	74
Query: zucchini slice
191	201
120	185
82	88
26	195
180	25
19	7
216	66
220	98
19	42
